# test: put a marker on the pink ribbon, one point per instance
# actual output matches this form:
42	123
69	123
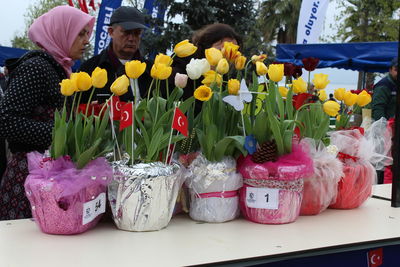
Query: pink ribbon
224	194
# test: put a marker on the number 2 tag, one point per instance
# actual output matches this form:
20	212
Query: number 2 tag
262	198
93	208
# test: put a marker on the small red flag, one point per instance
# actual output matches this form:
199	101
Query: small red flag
70	3
116	105
126	116
180	122
91	4
375	257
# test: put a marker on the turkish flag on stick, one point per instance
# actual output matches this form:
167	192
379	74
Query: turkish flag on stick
91	4
83	6
126	116
70	3
375	257
116	105
180	122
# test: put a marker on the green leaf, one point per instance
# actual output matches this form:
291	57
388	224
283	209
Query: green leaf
143	131
223	145
87	155
260	129
289	104
277	134
155	144
287	141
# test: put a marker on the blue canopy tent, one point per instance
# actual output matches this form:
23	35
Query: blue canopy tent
10	52
367	57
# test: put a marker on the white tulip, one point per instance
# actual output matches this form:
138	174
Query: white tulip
197	67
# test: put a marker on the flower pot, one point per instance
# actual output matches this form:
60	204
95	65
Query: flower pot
65	200
213	190
142	197
273	191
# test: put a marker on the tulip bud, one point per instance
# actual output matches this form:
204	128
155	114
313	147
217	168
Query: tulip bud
261	69
339	94
181	80
67	87
83	81
197	67
120	85
320	81
240	62
275	72
283	91
163	59
160	71
322	95
223	66
233	86
364	98
331	108
230	51
349	98
260	58
99	77
299	86
213	55
184	49
134	68
212	77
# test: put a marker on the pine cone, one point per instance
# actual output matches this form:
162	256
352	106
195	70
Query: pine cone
266	152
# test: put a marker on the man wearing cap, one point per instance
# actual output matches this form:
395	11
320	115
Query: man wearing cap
125	29
384	94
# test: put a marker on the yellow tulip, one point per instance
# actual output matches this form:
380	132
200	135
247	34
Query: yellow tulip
163	59
67	87
240	62
363	98
233	86
99	77
83	81
134	68
283	91
322	95
160	71
211	77
223	66
261	69
331	108
213	55
350	99
320	81
184	49
338	117
203	93
275	72
339	94
299	86
120	85
260	58
230	51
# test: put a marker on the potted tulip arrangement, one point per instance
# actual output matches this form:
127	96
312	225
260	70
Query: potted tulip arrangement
274	169
147	181
66	188
214	182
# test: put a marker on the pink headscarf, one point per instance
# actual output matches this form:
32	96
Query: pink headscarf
56	31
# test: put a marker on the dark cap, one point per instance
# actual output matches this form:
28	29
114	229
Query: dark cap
128	18
394	62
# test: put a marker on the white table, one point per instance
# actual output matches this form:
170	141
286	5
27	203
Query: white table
382	191
186	242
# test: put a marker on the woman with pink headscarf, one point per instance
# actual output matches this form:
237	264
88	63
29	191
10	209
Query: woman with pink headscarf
27	108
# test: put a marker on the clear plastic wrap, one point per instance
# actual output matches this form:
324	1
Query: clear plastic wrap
65	200
320	189
142	197
355	151
272	192
213	190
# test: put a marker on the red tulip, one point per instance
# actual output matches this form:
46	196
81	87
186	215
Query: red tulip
310	63
297	72
289	69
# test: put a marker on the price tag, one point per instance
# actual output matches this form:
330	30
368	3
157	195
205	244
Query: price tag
262	198
93	208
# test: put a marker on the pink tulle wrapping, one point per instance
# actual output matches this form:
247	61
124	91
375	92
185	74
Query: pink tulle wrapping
355	187
57	191
288	169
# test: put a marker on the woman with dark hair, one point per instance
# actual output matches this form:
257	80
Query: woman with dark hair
212	35
33	94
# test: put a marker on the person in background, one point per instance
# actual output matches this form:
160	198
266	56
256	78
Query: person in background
125	30
33	94
384	105
212	35
384	94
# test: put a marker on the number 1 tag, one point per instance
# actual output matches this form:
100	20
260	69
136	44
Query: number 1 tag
93	208
262	198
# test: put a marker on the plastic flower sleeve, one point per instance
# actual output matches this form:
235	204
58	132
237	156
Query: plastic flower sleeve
272	191
213	190
66	200
379	138
355	186
142	197
320	189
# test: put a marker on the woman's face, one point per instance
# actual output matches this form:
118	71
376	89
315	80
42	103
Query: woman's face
79	45
220	44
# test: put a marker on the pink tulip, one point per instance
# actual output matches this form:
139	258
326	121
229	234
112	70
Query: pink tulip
181	80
